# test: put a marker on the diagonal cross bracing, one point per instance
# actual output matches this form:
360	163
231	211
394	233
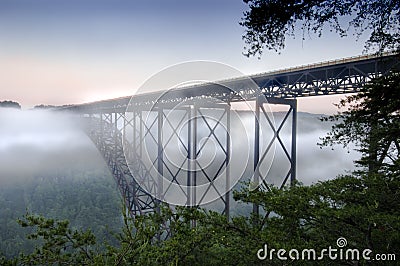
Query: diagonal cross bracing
125	136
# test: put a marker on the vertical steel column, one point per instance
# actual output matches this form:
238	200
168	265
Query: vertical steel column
189	156
228	151
135	206
192	147
115	137
135	185
134	133
160	162
256	148
101	126
123	131
141	140
294	140
193	142
194	159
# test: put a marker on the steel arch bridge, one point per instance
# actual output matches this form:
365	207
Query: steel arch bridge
133	134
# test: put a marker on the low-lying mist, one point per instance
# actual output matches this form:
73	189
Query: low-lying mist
41	143
37	142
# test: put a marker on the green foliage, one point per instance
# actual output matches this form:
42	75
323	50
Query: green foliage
372	123
268	22
194	237
87	199
363	207
60	244
364	210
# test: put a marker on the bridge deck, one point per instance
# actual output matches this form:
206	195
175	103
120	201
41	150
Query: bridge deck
135	139
332	77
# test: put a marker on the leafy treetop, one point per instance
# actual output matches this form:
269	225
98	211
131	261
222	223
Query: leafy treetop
268	22
10	104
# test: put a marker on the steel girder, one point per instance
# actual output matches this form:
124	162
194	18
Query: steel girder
122	135
137	147
264	147
108	138
327	78
166	147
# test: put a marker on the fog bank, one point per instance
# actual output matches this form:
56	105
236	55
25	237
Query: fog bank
37	142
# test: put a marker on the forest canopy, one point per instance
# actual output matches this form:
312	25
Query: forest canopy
268	23
10	104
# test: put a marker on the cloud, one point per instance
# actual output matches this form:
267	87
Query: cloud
42	143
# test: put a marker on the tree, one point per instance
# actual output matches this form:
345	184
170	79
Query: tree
365	211
371	123
363	207
10	104
44	106
268	22
61	245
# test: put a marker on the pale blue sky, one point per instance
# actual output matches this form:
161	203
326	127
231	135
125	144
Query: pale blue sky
74	51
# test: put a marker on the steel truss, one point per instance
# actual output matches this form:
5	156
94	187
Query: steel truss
261	154
137	145
108	138
136	135
166	149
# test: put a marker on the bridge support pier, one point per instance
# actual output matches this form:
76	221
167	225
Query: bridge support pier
160	153
264	153
126	133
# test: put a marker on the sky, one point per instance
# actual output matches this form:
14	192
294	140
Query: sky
75	51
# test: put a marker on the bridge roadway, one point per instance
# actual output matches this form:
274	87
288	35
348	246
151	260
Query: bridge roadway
341	76
135	134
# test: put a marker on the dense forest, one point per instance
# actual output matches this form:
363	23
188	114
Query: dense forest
353	219
88	199
10	104
354	216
